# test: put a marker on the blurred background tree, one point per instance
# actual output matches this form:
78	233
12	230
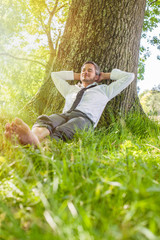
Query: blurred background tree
30	35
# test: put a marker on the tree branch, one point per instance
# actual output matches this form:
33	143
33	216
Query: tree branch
60	7
19	58
49	27
59	35
153	2
48	9
40	57
42	24
54	9
52	14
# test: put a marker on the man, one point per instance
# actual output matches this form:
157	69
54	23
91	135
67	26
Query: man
83	108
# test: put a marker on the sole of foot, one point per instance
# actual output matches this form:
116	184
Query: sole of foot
20	130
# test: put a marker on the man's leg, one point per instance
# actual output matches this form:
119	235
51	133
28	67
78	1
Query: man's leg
19	130
68	129
54	125
44	125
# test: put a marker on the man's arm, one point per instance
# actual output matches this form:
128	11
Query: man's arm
77	76
60	78
122	80
104	76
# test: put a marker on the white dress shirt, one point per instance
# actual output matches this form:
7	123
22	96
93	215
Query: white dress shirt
94	99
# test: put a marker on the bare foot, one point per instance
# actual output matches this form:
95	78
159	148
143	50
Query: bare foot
8	131
9	134
22	132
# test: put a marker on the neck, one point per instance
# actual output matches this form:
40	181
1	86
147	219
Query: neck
86	84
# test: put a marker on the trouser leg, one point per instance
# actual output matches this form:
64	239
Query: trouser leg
63	126
67	130
49	122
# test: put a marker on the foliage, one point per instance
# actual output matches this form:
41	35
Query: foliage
151	18
151	21
150	101
26	28
30	18
156	88
102	185
11	21
19	83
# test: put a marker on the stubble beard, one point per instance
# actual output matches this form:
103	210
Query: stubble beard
88	80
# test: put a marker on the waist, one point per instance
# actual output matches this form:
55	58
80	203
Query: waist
75	113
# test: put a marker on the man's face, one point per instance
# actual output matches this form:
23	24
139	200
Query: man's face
88	74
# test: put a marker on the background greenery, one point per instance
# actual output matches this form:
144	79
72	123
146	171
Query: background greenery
105	184
150	101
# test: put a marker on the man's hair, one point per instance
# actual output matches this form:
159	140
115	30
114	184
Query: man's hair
97	68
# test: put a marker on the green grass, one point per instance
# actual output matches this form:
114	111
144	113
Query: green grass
104	184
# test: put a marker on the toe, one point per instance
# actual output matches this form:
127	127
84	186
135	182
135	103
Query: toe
13	127
18	121
7	134
7	127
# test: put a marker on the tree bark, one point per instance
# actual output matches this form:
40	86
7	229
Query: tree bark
107	32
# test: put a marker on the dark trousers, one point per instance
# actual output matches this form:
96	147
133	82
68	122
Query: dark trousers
63	126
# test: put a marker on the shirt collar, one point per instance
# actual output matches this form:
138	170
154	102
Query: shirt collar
92	84
81	85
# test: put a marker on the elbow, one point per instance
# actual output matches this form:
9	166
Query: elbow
132	76
53	74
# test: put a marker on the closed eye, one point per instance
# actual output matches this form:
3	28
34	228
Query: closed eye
89	70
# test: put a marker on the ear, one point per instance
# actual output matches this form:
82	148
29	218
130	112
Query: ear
81	77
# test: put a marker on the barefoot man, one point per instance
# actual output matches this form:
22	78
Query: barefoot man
83	108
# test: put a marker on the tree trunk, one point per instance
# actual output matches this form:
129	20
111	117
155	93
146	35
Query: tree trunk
107	32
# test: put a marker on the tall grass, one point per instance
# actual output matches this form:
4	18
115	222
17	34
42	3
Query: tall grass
104	184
